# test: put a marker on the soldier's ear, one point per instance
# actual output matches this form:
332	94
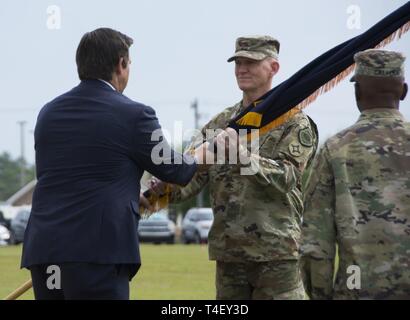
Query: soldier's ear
405	90
275	67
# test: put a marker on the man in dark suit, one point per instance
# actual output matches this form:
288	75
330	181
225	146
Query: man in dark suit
92	146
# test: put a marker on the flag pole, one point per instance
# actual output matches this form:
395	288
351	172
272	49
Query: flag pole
20	290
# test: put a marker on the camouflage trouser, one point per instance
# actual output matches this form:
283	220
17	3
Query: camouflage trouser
278	280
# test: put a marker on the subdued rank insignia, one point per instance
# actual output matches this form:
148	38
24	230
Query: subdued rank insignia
295	149
305	137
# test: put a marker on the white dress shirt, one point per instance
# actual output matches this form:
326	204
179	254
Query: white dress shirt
109	84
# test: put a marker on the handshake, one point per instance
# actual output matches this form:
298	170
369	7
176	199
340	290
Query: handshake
225	146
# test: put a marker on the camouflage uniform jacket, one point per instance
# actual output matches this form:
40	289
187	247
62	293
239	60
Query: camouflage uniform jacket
358	198
258	217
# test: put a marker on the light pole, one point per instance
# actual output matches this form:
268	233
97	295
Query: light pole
197	116
22	155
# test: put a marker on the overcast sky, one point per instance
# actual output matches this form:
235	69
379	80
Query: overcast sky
179	53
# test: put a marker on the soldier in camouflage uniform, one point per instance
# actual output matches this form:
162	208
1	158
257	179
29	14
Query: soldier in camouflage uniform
257	218
358	196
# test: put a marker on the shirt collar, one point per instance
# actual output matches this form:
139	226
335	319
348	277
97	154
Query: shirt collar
107	83
381	113
237	109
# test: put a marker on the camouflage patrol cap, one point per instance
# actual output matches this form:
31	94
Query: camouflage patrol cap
379	63
256	48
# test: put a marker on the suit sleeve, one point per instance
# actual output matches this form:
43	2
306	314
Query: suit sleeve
318	231
153	153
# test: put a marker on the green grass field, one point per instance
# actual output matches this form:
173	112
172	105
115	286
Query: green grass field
168	272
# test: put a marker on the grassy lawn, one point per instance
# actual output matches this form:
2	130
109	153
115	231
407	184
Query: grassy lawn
167	272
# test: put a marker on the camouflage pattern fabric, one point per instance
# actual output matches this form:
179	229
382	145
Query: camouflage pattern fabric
256	48
278	280
358	199
258	217
379	63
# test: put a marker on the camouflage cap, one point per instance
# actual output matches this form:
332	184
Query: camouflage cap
256	48
379	63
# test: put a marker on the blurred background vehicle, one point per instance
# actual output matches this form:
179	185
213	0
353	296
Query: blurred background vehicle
4	235
18	226
3	221
9	212
157	228
196	225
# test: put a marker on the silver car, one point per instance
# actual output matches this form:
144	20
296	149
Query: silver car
4	235
196	225
18	226
157	228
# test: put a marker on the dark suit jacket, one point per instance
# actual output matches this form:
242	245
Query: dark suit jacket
92	146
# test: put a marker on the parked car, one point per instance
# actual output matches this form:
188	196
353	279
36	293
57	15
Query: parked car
4	235
10	212
157	228
196	225
3	221
18	226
